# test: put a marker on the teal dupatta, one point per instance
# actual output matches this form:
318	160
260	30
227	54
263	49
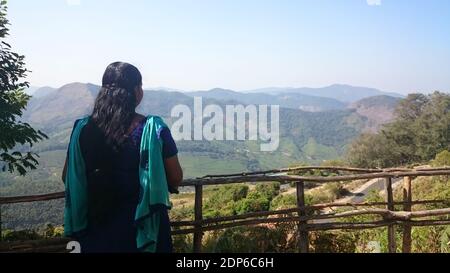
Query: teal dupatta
153	186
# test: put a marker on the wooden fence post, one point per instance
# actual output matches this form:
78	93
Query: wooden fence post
198	214
302	226
407	198
392	245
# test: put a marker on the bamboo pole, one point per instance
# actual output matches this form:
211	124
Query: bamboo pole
313	227
407	198
257	178
399	216
198	214
31	198
294	178
302	168
392	246
302	225
385	213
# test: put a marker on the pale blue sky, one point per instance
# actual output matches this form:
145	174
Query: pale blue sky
399	45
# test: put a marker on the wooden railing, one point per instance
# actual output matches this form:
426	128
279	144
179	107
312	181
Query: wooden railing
302	214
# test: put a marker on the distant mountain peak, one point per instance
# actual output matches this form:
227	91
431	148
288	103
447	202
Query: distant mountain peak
43	91
222	90
74	84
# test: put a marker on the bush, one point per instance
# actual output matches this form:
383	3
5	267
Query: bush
182	243
226	194
23	235
283	202
268	190
334	190
442	159
257	239
252	204
333	242
182	213
445	241
222	201
51	231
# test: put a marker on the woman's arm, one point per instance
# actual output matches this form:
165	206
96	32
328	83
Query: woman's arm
174	173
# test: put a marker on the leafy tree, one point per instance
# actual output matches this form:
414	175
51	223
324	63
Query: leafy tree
373	151
222	201
420	131
13	101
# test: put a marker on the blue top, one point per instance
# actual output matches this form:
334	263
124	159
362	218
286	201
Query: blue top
113	191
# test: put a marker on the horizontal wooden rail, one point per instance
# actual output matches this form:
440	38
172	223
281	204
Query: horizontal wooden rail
217	220
296	178
312	227
31	198
324	168
386	214
301	168
259	178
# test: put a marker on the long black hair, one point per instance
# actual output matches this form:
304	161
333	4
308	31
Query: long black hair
115	105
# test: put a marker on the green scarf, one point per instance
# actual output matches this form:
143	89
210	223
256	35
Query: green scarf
153	186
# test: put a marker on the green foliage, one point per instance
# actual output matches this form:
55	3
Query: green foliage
50	231
332	242
236	240
283	202
23	235
182	213
253	203
13	101
53	231
421	130
372	151
442	159
334	190
259	199
268	190
374	197
445	241
222	201
182	243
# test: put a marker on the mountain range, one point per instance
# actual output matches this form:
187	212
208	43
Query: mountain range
312	128
342	92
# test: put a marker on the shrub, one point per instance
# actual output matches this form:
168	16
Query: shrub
259	239
442	159
283	202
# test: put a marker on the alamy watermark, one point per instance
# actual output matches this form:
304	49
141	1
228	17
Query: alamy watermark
234	122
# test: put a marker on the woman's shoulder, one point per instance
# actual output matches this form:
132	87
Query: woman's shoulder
156	120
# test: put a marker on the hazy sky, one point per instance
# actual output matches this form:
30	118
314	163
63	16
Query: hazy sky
393	45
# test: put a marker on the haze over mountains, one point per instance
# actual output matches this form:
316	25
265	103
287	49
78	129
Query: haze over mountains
341	92
312	128
333	97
